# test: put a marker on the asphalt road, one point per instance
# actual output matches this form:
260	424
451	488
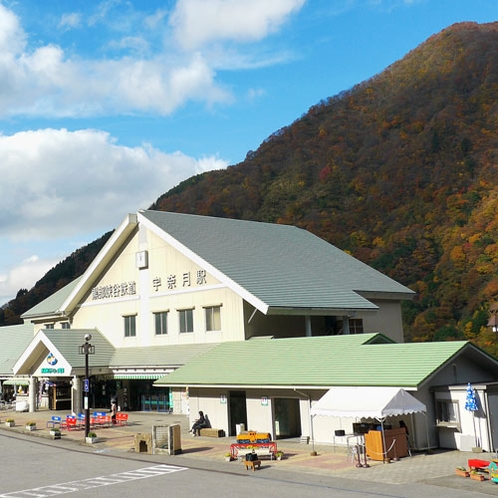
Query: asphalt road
33	468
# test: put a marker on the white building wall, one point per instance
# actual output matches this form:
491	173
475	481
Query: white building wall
387	320
171	282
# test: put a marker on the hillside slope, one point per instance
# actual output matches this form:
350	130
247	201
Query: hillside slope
400	171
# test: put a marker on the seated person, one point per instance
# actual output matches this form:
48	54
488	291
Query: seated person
198	424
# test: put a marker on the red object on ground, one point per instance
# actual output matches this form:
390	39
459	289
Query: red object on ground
476	463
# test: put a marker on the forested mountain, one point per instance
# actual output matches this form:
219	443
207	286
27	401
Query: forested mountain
400	171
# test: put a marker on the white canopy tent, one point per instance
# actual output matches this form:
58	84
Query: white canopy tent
367	402
373	402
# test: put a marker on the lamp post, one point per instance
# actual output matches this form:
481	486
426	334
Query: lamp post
493	317
87	349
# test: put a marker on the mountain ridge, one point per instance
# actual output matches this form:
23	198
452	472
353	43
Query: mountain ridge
399	171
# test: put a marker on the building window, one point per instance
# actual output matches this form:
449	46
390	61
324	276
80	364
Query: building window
186	320
356	326
447	412
49	326
213	318
130	326
65	325
161	321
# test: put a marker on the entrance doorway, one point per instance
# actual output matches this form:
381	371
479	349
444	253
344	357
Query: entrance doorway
237	410
287	418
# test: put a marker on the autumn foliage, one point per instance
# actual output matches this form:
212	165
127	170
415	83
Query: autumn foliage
401	171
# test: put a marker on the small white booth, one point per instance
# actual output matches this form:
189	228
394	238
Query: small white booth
377	404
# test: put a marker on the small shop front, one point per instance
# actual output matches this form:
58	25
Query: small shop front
136	392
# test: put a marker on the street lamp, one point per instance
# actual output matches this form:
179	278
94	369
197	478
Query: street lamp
87	349
493	317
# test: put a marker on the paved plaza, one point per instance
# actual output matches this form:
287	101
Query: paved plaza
436	468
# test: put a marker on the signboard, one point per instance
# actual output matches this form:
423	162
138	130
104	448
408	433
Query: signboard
86	385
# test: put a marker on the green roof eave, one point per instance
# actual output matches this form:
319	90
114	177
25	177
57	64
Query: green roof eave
316	362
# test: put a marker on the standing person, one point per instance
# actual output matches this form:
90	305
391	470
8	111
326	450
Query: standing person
198	424
114	409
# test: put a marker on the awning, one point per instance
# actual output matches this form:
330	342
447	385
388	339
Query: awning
131	376
373	402
17	381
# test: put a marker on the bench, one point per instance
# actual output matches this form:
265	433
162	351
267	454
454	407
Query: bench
210	432
252	464
261	452
238	450
478	464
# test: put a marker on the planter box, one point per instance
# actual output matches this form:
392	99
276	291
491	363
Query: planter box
55	434
91	440
31	427
477	477
10	424
463	473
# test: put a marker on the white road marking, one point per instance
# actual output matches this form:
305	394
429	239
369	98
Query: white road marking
93	482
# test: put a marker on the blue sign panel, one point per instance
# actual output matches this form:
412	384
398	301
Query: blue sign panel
86	385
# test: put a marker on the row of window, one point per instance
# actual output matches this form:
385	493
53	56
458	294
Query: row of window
185	321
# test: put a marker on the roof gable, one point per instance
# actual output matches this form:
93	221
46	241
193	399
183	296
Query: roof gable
65	344
275	266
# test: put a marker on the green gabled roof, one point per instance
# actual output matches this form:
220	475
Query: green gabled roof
351	360
280	265
14	340
158	356
52	304
69	341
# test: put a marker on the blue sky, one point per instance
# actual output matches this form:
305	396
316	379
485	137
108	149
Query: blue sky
106	105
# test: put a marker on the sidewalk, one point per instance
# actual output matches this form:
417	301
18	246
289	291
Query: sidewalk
209	453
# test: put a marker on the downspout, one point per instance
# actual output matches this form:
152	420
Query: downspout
313	452
308	326
488	423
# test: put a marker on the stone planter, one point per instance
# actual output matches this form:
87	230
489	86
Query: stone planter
31	427
55	434
91	440
10	424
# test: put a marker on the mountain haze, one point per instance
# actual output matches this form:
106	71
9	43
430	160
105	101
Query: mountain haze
400	171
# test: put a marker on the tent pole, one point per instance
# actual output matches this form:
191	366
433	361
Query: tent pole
384	448
313	452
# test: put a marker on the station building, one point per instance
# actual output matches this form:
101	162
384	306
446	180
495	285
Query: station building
251	322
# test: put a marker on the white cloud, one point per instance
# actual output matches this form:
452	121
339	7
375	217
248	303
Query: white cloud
197	22
70	21
12	37
58	182
46	81
23	276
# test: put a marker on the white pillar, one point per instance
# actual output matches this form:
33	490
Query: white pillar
345	325
76	396
32	394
